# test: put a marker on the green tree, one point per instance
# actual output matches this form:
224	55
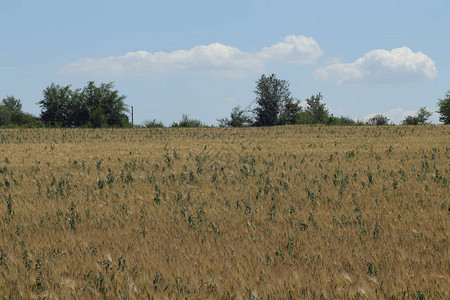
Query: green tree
444	109
316	109
11	114
271	94
378	119
238	118
98	118
5	116
289	111
423	115
54	105
421	118
78	113
111	103
12	104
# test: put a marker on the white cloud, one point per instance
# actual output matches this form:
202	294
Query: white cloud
382	66
216	58
295	49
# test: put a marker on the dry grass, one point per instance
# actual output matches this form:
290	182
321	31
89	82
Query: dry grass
260	213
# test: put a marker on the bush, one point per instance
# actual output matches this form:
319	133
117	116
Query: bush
26	120
342	121
377	120
410	120
188	122
305	118
238	118
153	124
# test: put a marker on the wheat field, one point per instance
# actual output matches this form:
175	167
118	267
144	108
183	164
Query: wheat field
295	212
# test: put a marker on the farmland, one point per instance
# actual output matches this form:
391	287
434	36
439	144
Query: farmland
255	213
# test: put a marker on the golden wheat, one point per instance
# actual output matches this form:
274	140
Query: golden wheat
297	212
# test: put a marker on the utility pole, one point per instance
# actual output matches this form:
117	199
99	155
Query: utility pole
132	116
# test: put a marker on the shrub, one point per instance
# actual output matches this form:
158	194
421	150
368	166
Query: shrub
377	120
188	122
153	124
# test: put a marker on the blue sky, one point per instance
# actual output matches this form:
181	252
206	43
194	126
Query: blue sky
203	57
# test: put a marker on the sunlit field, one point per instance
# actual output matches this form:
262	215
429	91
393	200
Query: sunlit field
256	213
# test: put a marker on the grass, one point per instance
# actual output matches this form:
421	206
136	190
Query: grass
254	213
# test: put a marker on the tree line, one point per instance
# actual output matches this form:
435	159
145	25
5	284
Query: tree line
276	106
92	106
61	106
102	106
